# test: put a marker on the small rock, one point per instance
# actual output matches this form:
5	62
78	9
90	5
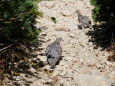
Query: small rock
17	78
112	75
91	80
68	58
72	35
66	13
100	65
50	4
32	70
62	29
68	74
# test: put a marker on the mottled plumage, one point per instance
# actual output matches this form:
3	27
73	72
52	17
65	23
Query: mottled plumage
84	20
53	52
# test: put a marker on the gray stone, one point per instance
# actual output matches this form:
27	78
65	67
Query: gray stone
91	80
68	74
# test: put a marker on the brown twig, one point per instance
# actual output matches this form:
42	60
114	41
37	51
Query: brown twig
6	47
17	16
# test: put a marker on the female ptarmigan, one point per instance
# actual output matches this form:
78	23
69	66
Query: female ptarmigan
53	53
84	20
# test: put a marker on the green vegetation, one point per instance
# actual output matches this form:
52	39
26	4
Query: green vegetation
104	10
104	33
17	33
53	19
17	19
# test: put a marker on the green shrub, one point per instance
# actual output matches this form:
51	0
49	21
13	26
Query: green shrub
104	33
53	19
17	19
18	35
104	10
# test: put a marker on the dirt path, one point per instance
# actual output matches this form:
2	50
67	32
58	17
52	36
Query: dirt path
79	57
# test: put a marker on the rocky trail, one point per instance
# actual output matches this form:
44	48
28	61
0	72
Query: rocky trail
81	65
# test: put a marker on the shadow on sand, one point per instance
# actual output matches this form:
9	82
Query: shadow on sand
103	36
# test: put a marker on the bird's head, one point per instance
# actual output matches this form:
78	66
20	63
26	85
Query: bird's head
77	11
58	40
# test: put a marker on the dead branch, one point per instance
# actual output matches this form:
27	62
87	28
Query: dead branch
6	47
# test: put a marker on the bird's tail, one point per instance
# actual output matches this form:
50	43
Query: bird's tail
91	27
52	68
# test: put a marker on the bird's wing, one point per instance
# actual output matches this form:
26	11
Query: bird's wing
87	19
81	17
53	57
48	49
59	50
54	50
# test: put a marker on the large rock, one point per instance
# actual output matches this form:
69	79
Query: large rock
91	80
